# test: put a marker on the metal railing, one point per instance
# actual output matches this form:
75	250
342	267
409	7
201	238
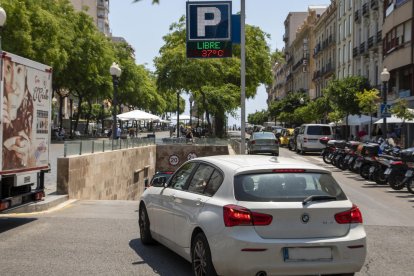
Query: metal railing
81	147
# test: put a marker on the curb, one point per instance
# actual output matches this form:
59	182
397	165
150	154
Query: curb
49	202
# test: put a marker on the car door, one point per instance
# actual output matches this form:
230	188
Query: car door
166	214
189	203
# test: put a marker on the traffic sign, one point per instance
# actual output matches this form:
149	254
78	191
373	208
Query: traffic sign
209	29
385	110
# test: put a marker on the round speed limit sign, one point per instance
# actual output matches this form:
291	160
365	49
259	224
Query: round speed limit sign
174	160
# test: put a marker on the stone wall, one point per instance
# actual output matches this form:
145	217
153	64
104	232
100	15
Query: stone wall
172	156
112	175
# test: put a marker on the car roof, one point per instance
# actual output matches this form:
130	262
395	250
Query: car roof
242	163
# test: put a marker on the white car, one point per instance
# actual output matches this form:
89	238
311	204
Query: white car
255	215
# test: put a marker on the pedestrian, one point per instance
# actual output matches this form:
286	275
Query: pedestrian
118	132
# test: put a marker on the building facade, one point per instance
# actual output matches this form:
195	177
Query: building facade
98	10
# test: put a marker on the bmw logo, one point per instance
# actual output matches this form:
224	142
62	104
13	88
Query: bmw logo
305	218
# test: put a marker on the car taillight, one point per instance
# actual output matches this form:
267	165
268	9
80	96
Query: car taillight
253	142
396	163
351	216
235	215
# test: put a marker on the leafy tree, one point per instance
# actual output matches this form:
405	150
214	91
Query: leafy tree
208	79
401	110
258	118
342	95
368	102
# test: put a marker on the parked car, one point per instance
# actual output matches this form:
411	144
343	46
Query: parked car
255	215
308	137
285	135
160	177
263	142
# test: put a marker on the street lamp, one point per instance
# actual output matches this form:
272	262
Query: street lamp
3	18
385	77
178	114
115	72
191	99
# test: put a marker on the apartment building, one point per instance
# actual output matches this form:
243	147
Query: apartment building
367	40
324	52
98	10
398	48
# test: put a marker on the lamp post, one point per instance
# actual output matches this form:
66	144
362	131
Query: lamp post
191	99
115	72
385	77
3	18
178	114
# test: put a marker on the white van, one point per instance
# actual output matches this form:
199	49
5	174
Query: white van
308	137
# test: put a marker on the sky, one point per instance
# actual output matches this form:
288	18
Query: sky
143	25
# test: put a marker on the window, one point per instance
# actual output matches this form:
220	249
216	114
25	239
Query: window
285	187
214	183
200	179
180	179
407	31
319	130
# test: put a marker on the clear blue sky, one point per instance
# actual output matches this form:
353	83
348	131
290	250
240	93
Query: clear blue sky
143	25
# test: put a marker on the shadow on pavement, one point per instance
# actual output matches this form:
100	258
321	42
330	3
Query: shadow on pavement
7	223
162	260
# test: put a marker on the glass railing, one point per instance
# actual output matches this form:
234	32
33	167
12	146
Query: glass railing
81	147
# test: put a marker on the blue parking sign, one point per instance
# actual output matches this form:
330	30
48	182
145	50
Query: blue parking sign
208	21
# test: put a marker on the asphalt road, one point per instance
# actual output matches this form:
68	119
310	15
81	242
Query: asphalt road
102	237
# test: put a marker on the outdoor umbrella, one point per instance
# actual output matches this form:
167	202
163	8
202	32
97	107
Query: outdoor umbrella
138	115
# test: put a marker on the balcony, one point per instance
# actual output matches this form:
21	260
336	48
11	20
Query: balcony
316	75
285	38
355	52
379	36
374	4
362	48
331	40
365	10
370	42
357	16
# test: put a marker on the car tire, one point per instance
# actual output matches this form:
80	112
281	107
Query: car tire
201	262
144	226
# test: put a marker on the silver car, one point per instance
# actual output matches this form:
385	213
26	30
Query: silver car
263	142
255	215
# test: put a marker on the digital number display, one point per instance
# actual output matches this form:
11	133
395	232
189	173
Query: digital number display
209	49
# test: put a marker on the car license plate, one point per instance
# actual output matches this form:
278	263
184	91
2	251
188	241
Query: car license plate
307	254
409	173
388	171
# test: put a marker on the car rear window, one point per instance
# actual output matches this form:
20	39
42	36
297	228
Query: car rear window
285	187
264	135
319	130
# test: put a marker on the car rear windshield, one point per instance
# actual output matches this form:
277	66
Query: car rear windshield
285	187
264	135
319	130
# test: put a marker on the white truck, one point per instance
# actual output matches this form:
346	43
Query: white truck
25	97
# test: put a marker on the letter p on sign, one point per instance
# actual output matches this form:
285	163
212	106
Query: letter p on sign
208	21
202	22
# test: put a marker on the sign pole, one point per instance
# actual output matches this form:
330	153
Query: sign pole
243	77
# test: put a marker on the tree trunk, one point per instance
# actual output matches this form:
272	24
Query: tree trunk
206	110
219	124
88	116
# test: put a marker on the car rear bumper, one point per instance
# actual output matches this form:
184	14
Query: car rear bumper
234	255
258	149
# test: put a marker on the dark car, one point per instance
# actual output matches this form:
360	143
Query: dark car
160	177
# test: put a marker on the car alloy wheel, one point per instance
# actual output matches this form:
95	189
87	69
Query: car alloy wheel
201	257
144	226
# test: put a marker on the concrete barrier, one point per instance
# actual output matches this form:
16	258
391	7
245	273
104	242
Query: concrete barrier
113	175
121	174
